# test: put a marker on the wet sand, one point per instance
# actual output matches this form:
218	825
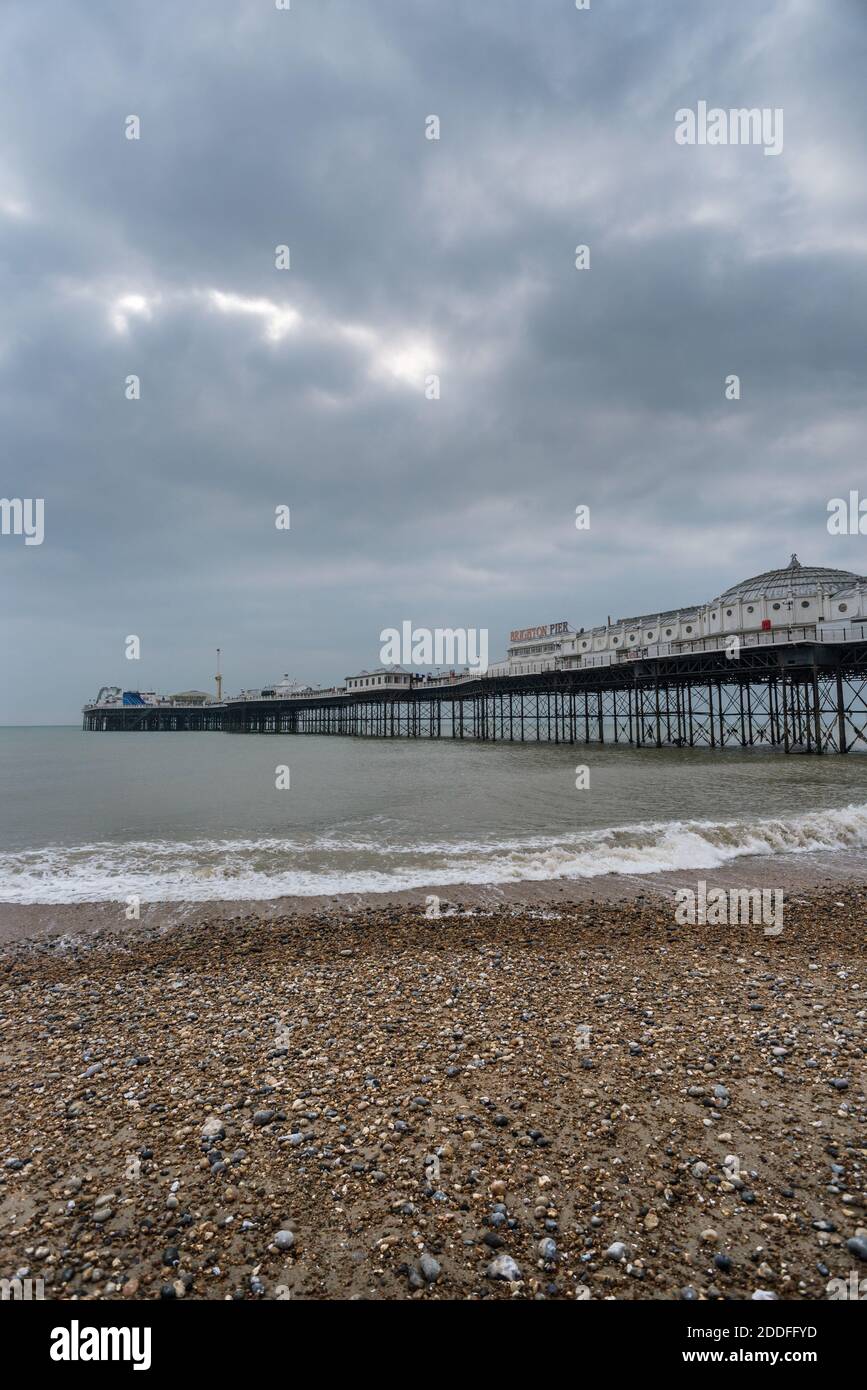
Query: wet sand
567	1098
795	874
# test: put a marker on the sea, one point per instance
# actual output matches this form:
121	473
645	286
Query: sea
189	817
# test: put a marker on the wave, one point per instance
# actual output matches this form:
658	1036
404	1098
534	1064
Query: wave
185	871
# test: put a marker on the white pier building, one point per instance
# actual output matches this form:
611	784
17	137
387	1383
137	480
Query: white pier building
798	603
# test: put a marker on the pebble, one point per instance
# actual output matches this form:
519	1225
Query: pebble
618	1251
504	1267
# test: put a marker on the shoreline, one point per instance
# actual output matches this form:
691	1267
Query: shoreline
594	1103
795	874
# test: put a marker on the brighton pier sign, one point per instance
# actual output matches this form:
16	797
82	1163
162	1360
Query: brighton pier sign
528	634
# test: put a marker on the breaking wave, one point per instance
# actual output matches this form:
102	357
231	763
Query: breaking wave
167	871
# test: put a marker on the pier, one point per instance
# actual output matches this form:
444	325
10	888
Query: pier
793	697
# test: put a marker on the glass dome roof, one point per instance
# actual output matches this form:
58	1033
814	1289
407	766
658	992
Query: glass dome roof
795	579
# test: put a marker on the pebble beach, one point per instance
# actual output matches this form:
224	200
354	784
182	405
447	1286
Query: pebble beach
584	1101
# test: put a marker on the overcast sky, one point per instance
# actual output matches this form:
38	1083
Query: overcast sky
305	387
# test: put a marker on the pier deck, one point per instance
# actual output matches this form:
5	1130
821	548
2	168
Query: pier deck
802	697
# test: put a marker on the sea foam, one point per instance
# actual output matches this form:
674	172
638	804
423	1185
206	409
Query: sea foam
198	871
